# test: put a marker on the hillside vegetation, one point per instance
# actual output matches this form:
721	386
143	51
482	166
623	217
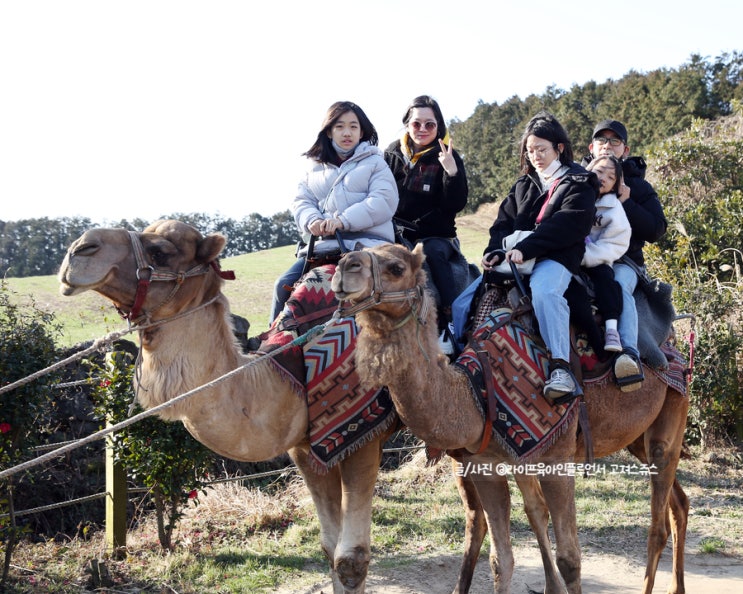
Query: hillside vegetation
89	316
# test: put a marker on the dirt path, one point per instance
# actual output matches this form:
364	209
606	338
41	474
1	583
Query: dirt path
602	574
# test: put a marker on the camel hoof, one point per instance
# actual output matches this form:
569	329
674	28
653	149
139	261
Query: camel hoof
352	570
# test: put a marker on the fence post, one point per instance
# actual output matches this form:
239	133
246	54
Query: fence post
116	490
116	501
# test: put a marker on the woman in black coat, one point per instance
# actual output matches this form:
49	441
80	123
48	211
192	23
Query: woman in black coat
432	185
555	199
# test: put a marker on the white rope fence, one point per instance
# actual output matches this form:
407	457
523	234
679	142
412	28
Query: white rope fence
97	345
147	413
87	498
231	479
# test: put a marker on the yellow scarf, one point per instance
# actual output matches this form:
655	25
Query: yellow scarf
406	145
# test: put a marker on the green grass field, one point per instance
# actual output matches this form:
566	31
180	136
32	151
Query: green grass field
89	316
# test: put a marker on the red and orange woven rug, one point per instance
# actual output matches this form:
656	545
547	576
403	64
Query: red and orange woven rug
342	416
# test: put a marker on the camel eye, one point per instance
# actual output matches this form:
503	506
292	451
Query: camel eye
396	269
158	257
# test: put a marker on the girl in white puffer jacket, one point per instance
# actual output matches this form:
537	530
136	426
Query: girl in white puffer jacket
348	187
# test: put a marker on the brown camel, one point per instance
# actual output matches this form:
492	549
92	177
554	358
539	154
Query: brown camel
435	401
254	415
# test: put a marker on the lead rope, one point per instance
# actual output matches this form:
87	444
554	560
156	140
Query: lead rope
299	341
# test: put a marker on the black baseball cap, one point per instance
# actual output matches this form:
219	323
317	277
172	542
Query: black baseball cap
616	127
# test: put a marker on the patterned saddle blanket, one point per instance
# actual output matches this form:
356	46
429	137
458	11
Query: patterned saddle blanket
674	370
342	416
526	422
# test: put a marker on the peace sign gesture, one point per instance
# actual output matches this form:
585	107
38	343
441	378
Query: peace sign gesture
446	158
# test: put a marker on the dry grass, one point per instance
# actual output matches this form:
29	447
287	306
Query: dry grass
244	539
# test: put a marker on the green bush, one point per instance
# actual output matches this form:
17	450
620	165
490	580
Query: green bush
26	346
159	455
700	183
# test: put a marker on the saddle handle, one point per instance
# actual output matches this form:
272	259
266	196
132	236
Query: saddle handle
517	276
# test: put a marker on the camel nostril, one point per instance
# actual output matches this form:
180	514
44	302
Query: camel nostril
86	249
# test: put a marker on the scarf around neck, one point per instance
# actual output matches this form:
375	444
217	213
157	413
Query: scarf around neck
408	153
341	153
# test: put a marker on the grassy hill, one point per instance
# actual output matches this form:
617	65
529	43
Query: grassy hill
89	316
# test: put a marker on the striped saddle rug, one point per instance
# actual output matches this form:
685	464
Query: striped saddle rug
342	416
526	422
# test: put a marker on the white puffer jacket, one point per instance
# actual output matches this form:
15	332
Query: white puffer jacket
610	234
362	193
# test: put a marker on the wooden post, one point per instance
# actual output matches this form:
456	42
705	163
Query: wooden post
116	490
116	502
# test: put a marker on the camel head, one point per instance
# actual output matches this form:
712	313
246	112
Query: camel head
176	264
387	282
399	269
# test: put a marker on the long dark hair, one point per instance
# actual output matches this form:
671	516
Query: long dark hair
545	125
427	101
322	150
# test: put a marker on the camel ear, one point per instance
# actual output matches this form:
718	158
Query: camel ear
210	247
418	255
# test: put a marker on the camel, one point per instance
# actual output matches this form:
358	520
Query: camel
187	341
397	349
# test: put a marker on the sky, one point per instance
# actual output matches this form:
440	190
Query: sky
138	109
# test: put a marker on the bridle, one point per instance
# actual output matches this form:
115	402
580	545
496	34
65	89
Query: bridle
415	297
146	274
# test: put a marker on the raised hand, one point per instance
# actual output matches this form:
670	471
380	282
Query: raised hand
446	158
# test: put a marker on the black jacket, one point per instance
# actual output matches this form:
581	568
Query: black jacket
429	197
643	208
561	235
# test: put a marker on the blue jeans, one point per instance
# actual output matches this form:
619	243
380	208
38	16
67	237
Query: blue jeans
627	279
548	283
280	292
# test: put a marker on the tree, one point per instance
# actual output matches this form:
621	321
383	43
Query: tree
697	176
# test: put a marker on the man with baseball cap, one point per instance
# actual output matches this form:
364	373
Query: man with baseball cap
645	214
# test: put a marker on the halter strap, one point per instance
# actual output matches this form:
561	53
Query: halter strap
147	273
411	296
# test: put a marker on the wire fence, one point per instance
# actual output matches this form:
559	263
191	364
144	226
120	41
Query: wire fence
133	490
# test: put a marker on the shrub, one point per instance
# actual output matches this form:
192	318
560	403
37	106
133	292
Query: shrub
699	182
159	455
26	346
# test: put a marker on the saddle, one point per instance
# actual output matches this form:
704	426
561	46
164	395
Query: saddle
654	308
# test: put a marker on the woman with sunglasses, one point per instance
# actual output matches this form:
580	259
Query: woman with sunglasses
433	188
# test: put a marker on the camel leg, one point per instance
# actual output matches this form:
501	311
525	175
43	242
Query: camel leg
475	528
678	515
538	514
325	490
353	550
494	494
559	493
660	450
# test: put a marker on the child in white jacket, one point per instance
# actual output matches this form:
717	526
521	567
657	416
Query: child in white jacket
606	243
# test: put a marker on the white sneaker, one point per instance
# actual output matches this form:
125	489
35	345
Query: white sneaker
560	383
445	342
613	343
